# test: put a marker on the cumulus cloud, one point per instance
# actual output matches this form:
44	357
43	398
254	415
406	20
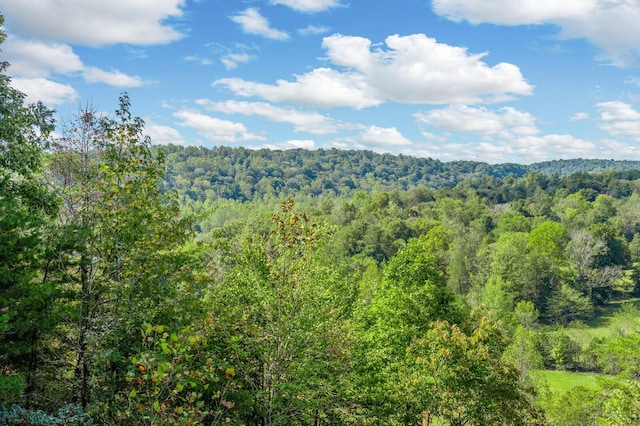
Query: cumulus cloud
507	135
413	69
506	122
320	88
619	119
302	121
621	150
524	149
31	59
163	135
290	144
383	136
47	91
376	138
112	78
34	63
609	24
253	23
95	23
216	129
308	5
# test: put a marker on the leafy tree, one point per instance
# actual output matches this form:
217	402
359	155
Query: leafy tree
120	254
411	294
568	304
460	377
26	206
523	353
282	326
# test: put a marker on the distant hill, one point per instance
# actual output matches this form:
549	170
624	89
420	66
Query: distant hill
567	167
244	175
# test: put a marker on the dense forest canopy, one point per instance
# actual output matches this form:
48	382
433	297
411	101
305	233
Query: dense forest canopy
246	175
187	286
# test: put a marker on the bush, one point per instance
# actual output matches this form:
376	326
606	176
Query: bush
68	415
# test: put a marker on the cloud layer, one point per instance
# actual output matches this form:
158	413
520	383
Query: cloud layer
413	69
34	65
609	24
94	23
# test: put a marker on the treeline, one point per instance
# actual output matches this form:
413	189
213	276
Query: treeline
262	175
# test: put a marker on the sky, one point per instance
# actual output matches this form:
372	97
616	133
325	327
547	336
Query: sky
487	80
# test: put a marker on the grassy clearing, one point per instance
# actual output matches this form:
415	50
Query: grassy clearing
606	323
560	382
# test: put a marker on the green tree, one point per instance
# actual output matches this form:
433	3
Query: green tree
26	206
458	375
121	259
411	295
282	314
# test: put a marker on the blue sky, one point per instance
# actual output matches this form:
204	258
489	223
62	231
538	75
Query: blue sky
489	80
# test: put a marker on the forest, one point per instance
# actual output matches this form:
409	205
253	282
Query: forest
146	285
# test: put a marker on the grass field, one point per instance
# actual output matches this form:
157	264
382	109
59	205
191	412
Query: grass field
606	323
560	382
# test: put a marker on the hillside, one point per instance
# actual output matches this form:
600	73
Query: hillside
246	175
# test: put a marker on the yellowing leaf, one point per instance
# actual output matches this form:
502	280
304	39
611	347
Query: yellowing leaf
230	373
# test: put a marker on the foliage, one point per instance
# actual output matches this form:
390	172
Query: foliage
279	310
26	207
175	380
421	291
460	377
70	415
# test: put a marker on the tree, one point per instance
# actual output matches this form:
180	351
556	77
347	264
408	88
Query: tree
281	312
457	374
411	295
568	304
26	207
121	255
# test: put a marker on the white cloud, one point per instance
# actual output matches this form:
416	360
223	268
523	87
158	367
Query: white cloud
580	116
542	148
507	135
302	121
432	73
47	91
31	59
512	12
112	78
619	119
290	144
215	129
620	150
506	122
308	5
232	60
162	135
253	23
96	23
33	64
612	25
313	30
383	136
524	149
320	88
377	139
